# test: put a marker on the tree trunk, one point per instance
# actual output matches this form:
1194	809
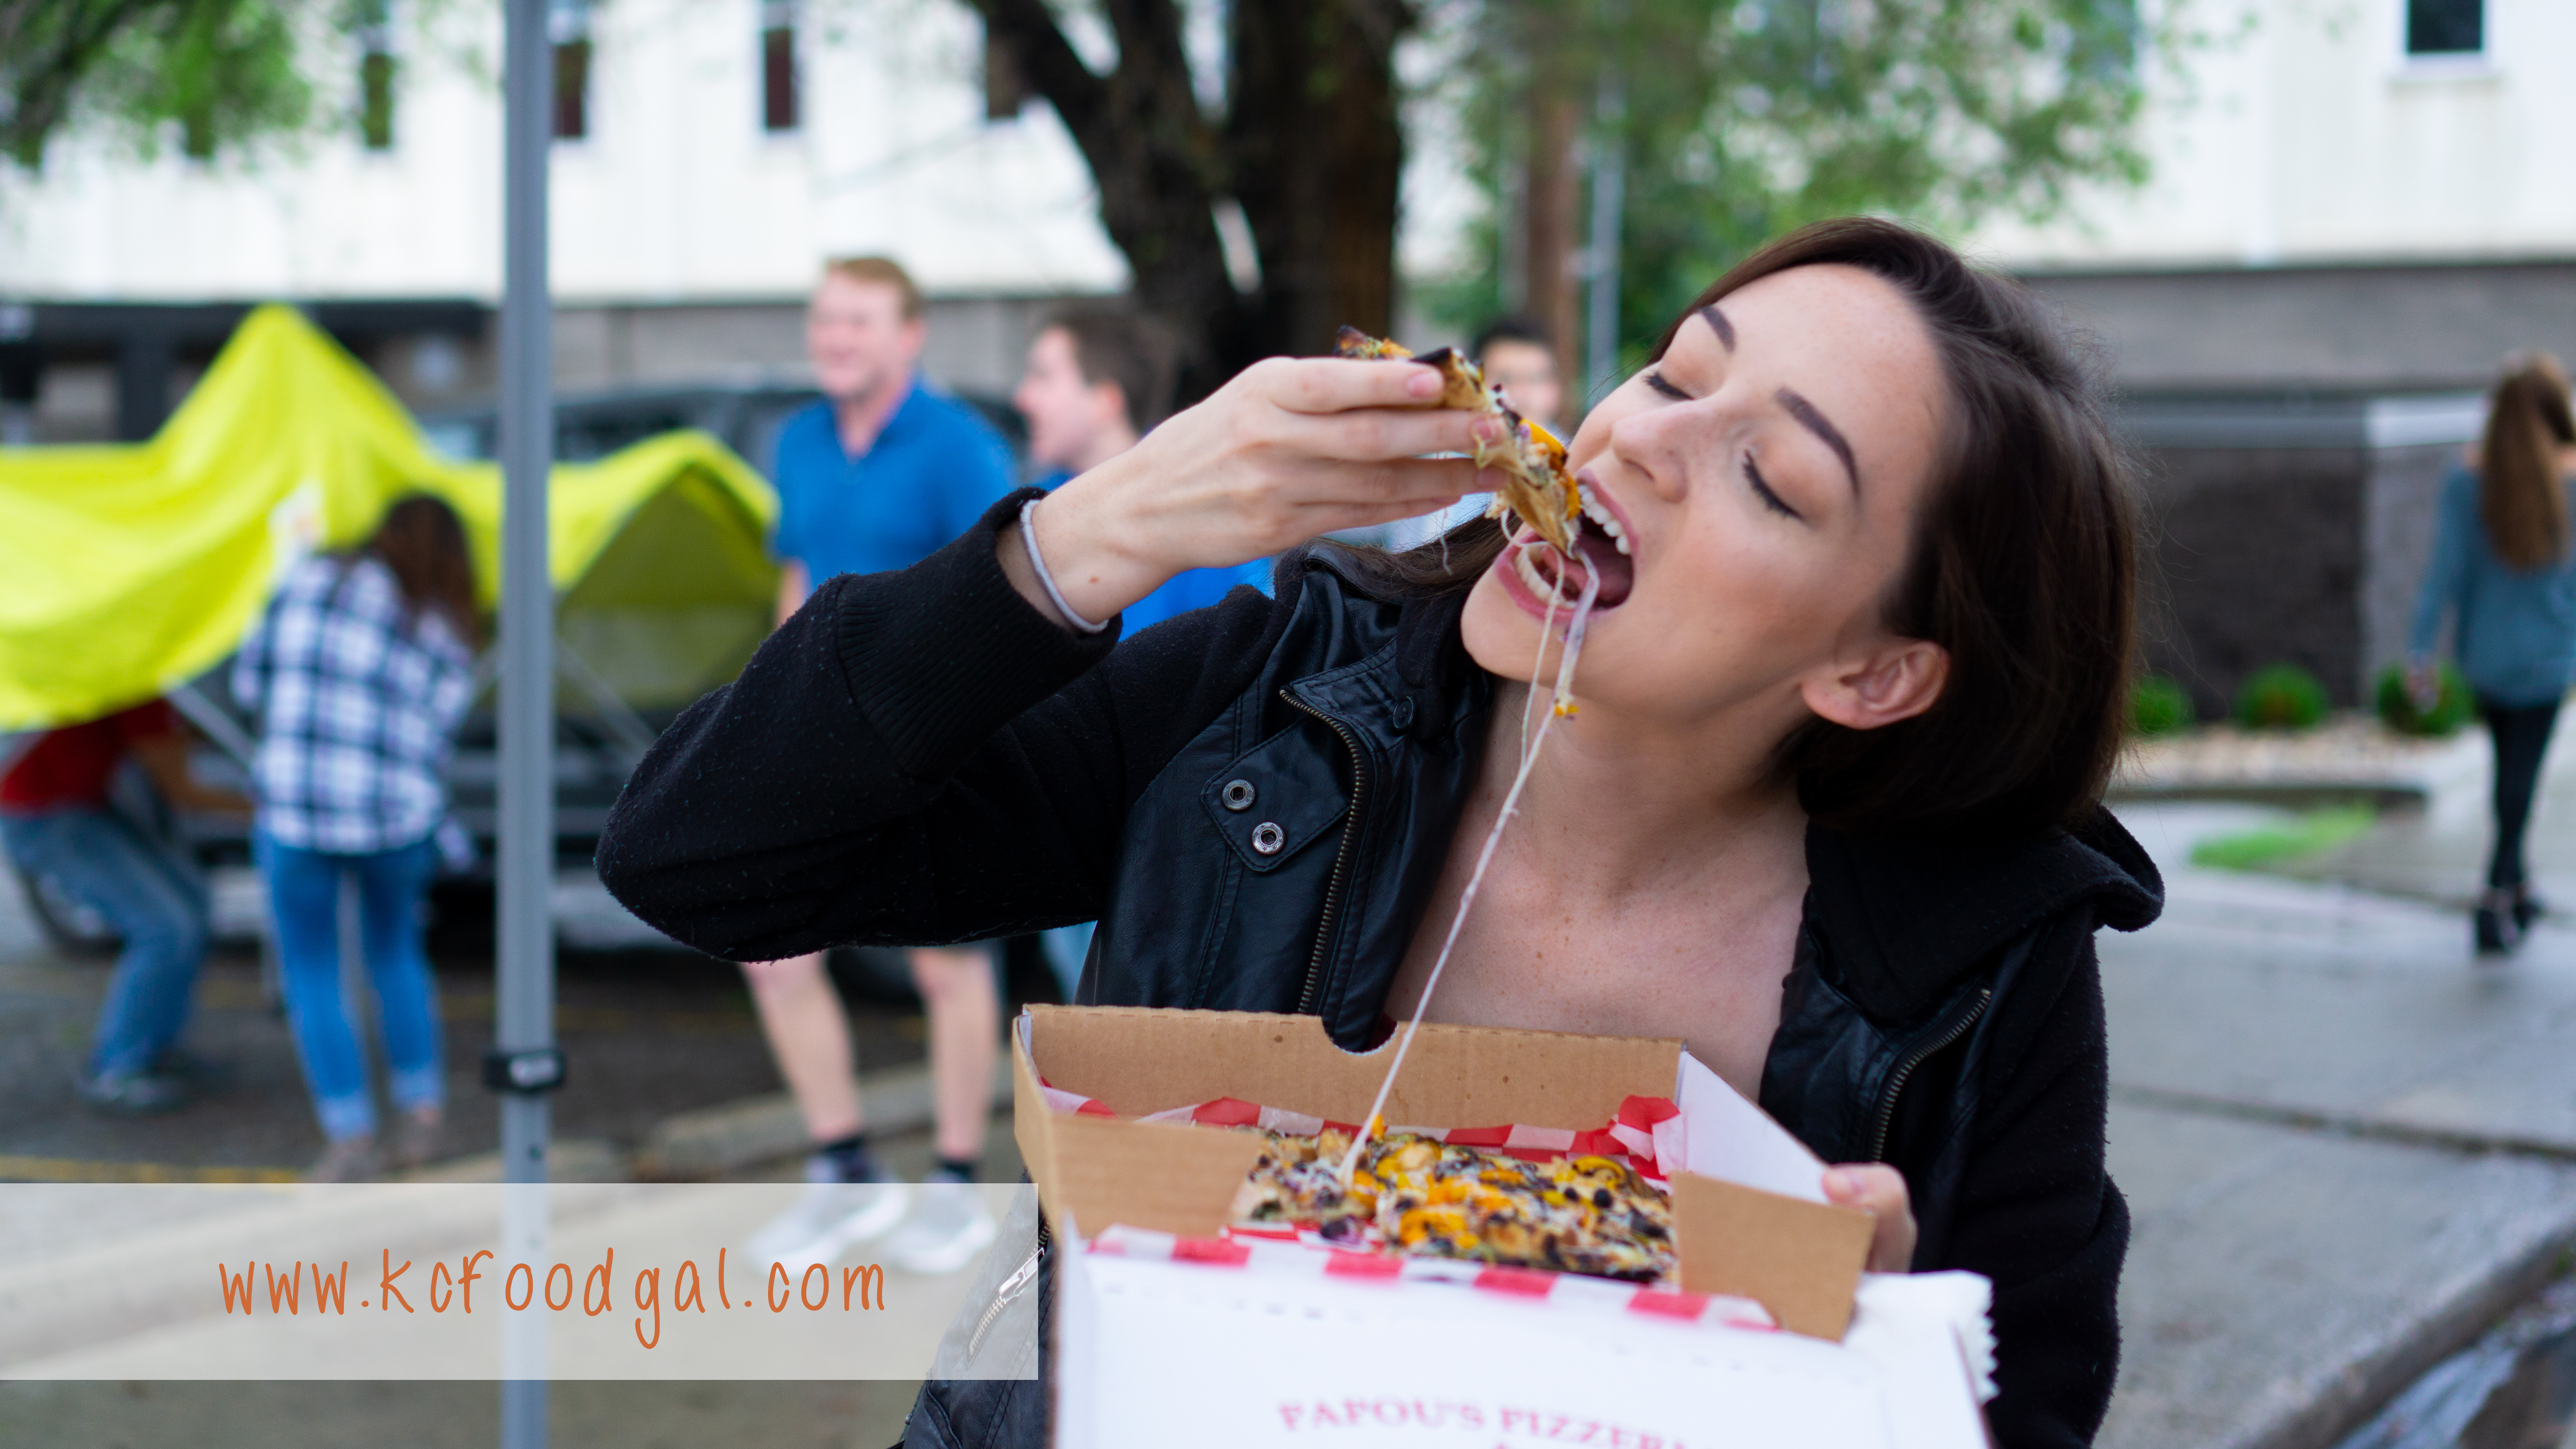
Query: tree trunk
1155	160
1318	153
1549	245
1312	150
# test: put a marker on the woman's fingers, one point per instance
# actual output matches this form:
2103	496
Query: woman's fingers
1376	434
1415	482
1340	384
1879	1190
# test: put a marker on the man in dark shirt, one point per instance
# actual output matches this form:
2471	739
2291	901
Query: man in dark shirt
58	827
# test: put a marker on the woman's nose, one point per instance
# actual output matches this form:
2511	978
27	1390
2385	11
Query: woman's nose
1648	443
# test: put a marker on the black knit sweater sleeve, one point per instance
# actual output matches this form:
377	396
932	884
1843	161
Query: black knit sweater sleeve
2038	1213
917	757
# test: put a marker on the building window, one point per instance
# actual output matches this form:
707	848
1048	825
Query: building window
778	98
1006	84
2446	27
568	21
376	100
371	25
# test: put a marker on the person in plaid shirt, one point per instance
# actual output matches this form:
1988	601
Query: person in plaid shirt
360	671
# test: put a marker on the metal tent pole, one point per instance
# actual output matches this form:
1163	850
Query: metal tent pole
524	1063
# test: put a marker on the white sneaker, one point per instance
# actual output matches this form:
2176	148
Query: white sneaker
827	1221
948	1227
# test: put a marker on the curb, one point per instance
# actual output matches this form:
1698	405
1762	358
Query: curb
2347	1399
2366	1386
711	1141
574	1159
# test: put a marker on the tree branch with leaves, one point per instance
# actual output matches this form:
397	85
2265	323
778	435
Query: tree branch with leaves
223	72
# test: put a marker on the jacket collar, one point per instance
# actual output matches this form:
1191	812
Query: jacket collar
1901	919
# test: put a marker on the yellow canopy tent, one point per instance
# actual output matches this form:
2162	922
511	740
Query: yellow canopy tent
127	570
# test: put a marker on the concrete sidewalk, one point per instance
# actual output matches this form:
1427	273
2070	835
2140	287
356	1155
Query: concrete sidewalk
2347	1147
2439	854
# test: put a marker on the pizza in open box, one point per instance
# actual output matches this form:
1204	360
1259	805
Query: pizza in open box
1573	1214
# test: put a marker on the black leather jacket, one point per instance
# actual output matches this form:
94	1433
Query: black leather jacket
1943	1011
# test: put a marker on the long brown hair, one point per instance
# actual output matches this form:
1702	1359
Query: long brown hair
423	543
2522	497
2024	565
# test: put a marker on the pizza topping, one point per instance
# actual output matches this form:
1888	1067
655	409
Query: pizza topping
1578	1214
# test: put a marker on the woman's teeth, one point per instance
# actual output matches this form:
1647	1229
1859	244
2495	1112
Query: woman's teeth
1602	518
1537	583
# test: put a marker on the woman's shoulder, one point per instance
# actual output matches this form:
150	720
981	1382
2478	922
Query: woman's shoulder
318	580
1320	618
1904	918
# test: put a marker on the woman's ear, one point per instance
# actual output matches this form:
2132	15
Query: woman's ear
1898	681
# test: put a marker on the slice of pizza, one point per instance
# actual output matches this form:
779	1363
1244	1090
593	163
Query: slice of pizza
1536	487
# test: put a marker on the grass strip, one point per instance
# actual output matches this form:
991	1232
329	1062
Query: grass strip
2311	832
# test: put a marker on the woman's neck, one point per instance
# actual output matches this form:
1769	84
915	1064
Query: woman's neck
1615	804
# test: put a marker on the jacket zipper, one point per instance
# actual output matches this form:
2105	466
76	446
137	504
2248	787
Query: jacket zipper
1341	857
1012	1287
1896	1084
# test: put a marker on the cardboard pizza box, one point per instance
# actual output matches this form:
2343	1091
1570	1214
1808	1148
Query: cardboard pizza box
1749	1213
1166	1335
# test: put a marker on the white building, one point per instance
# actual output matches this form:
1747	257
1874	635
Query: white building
2358	208
2347	195
711	155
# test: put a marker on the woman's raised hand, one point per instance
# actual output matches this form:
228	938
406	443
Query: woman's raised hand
1291	448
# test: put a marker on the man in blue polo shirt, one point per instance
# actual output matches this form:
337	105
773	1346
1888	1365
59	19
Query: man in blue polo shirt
878	475
882	472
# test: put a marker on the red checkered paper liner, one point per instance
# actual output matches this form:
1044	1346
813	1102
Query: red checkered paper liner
1284	1251
1646	1134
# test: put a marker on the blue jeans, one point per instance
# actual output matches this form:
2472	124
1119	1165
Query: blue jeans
154	897
304	901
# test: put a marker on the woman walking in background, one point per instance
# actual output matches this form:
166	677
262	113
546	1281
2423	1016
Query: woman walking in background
360	671
2501	561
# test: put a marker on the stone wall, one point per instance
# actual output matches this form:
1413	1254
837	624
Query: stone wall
2304	554
2257	559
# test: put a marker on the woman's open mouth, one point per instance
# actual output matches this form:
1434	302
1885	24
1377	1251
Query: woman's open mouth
1603	550
1541	572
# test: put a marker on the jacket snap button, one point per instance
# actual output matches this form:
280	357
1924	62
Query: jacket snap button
1267	837
1404	713
1237	795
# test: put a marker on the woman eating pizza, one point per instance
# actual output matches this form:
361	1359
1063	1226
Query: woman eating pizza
1828	806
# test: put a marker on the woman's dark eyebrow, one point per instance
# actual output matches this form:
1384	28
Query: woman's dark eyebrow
1717	322
1816	423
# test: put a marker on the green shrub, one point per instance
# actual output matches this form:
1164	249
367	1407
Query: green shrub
2280	697
2159	706
2397	708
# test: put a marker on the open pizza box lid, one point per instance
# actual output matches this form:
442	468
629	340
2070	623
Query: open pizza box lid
1153	1349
